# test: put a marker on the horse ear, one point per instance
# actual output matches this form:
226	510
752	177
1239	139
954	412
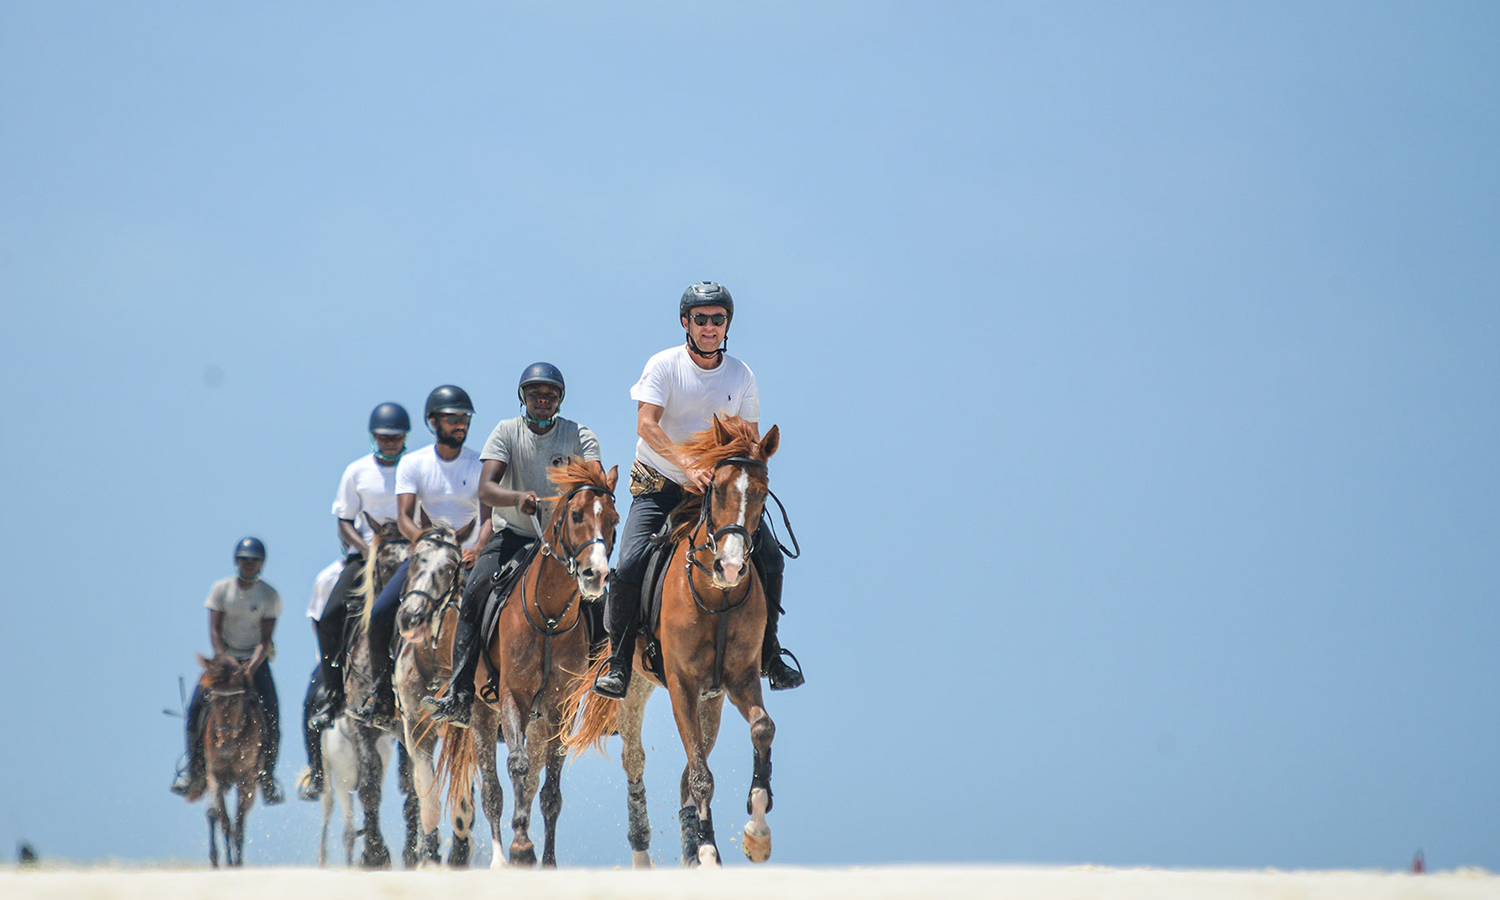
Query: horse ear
613	477
721	434
203	661
770	442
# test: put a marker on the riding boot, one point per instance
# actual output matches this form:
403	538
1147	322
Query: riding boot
457	701
192	780
327	703
781	676
310	784
616	680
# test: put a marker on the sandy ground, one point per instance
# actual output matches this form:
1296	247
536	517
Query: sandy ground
777	882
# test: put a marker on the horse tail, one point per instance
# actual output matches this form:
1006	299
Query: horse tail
588	718
456	764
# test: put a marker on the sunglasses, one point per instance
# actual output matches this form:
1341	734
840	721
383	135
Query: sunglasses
454	419
705	318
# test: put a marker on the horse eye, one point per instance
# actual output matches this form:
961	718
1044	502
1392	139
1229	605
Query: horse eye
577	517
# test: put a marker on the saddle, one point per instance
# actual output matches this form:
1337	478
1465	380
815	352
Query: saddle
501	584
660	557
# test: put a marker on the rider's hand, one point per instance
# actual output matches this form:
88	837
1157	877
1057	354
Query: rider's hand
700	479
528	502
470	555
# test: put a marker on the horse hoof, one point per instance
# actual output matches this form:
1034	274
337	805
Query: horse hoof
708	855
376	857
640	859
756	844
523	855
459	853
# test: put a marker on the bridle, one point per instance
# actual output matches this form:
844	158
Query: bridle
547	626
438	603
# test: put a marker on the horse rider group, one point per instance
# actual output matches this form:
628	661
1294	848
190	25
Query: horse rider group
494	500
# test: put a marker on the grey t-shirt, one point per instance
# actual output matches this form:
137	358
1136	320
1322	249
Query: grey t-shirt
243	610
527	456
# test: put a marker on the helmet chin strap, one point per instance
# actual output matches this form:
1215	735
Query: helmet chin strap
542	424
711	354
381	456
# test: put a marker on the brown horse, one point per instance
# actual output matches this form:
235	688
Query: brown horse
538	648
232	724
388	550
713	616
423	650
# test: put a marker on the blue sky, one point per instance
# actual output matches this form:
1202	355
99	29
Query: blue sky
1136	366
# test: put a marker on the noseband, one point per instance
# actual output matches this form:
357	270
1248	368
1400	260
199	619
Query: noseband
569	558
705	517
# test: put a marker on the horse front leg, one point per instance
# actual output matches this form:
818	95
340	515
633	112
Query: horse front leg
552	794
424	783
245	798
633	757
519	763
215	807
411	807
376	854
695	818
757	838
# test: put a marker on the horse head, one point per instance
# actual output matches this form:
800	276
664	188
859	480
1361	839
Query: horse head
390	548
582	531
433	578
736	494
223	674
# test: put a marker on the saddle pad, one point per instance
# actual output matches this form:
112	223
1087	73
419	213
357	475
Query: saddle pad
501	584
651	588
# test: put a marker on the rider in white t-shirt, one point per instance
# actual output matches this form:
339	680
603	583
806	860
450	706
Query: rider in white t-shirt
677	395
366	498
437	484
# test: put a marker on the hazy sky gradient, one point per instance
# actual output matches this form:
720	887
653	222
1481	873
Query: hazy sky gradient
1138	370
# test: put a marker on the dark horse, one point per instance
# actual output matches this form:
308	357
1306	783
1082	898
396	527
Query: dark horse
538	648
388	550
713	616
232	725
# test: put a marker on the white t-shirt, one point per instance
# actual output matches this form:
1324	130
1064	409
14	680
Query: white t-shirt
689	397
447	491
369	488
323	588
527	456
243	610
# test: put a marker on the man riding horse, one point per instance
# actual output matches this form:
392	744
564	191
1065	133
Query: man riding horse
678	394
515	462
366	498
437	484
242	613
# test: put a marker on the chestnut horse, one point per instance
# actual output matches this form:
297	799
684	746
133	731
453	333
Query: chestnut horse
422	646
713	617
538	648
232	724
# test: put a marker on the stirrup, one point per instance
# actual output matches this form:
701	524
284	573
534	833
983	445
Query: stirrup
621	673
782	676
310	785
449	708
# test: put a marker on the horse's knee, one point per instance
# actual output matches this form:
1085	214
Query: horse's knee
762	731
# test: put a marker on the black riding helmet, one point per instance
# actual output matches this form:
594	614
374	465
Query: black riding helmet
445	399
250	548
706	293
389	418
542	373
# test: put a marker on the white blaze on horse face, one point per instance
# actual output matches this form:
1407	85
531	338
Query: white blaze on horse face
595	559
732	553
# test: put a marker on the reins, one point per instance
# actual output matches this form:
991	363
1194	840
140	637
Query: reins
439	604
548	627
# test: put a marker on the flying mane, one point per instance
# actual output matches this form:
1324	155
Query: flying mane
725	437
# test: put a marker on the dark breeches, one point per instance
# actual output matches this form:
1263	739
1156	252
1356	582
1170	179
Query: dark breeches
330	627
383	618
501	549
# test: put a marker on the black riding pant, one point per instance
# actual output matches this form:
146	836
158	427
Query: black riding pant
502	548
330	626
